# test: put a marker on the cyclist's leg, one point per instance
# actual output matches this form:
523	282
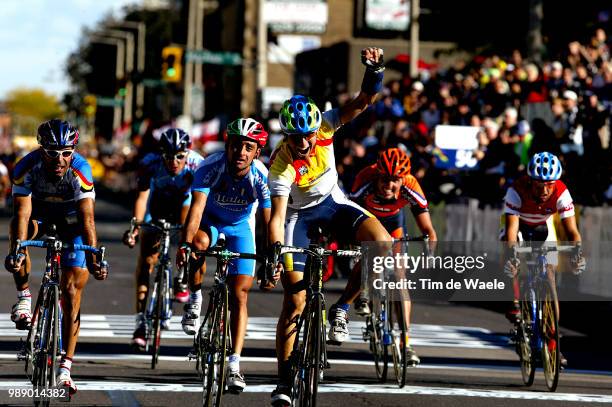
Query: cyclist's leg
294	294
370	229
21	313
197	268
147	258
72	282
240	239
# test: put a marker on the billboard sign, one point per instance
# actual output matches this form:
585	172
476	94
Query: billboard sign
296	16
391	15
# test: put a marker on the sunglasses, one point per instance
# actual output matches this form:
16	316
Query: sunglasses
299	137
172	157
57	153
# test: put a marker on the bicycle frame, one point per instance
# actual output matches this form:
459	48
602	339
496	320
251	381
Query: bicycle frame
159	303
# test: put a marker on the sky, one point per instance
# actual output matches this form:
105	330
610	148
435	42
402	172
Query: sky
36	37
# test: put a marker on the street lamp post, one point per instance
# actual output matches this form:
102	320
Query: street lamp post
119	69
128	37
140	59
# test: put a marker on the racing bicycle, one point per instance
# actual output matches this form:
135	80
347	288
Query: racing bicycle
386	331
44	345
537	330
309	355
213	340
159	306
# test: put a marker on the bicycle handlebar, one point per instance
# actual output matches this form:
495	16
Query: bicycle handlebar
59	245
278	250
406	238
160	225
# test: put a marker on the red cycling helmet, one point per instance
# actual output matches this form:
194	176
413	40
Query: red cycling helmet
393	162
248	128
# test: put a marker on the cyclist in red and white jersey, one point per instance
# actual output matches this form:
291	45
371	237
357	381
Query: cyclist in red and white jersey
529	205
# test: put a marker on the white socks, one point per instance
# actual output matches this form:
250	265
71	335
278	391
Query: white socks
234	363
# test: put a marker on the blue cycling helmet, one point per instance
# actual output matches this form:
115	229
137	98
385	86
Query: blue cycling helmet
544	167
299	115
57	133
174	140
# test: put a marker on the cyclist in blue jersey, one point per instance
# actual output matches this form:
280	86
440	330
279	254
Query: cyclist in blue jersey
227	190
54	185
164	192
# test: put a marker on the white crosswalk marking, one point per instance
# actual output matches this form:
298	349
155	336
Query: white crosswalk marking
264	329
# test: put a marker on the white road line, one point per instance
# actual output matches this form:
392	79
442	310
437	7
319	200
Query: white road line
339	388
264	329
86	357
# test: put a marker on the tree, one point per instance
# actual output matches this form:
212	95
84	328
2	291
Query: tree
30	107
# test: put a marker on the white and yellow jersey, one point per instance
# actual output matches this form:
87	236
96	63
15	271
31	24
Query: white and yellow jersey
307	182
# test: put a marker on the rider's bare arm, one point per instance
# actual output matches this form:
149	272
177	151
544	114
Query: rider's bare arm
21	217
194	216
276	226
353	108
571	229
85	212
140	206
512	228
423	221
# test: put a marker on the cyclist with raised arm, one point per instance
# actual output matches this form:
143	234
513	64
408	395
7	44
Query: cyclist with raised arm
305	193
528	206
384	189
164	192
228	189
53	185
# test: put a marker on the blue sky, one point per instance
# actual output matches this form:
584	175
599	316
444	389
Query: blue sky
36	36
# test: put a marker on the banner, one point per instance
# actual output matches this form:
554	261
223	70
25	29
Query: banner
455	146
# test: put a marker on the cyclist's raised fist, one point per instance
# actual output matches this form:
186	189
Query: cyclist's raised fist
372	58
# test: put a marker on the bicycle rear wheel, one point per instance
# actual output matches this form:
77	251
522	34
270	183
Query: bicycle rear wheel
524	349
216	351
158	310
398	346
374	324
551	355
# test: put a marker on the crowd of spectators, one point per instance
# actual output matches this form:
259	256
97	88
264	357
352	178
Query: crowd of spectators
521	107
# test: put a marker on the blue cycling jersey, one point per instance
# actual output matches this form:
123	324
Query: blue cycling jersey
230	200
54	201
52	198
168	194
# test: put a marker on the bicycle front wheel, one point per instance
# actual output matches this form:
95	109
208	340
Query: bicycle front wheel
158	311
306	375
46	347
398	346
525	332
551	354
374	326
216	351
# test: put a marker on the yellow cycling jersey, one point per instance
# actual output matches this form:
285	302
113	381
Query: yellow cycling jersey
306	182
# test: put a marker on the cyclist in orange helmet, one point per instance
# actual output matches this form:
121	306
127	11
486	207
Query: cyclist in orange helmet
384	189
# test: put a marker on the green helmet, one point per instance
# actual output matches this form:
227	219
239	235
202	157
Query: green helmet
299	115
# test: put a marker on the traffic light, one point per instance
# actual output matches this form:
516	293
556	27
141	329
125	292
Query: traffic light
89	102
172	63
